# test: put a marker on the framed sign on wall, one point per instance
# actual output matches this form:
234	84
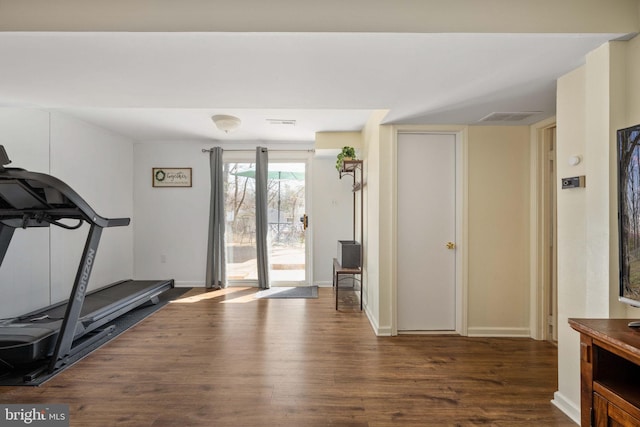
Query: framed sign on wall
171	177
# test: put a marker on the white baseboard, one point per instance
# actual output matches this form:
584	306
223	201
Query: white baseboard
187	284
498	332
379	331
184	284
568	407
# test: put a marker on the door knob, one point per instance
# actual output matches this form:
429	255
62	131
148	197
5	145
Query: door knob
451	245
304	219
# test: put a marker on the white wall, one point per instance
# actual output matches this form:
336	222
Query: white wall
24	274
498	228
98	165
571	237
171	223
498	219
378	214
41	263
331	217
593	102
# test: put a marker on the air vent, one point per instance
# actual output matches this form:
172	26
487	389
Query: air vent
513	116
288	122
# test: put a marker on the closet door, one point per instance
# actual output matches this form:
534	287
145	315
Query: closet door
426	265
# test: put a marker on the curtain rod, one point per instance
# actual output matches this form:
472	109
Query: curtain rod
208	150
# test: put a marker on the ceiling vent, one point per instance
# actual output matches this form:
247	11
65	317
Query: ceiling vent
283	122
513	116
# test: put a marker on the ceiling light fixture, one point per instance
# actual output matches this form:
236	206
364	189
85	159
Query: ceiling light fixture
226	123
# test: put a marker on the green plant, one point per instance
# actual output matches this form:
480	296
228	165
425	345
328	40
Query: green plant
346	153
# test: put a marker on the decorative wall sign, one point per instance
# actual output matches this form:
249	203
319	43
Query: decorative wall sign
171	177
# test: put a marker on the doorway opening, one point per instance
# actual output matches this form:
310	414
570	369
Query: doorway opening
550	245
544	323
287	236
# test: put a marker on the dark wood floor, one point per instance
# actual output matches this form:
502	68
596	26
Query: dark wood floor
225	359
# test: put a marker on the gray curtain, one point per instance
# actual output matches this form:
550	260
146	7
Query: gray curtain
262	168
216	271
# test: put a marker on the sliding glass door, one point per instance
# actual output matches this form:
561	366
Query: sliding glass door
240	222
287	237
286	217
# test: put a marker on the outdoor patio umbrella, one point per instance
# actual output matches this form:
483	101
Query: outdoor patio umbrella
280	172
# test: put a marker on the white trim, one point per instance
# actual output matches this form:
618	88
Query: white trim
394	231
283	156
308	209
379	331
306	158
463	256
462	271
324	284
567	406
437	333
537	316
488	331
188	284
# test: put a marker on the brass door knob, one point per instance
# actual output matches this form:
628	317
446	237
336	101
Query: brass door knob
451	245
304	219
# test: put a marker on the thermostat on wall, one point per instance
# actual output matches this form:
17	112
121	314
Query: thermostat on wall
573	182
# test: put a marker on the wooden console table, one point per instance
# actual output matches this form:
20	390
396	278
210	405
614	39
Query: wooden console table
338	270
609	372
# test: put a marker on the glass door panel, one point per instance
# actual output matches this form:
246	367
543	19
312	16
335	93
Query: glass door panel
286	240
240	224
287	234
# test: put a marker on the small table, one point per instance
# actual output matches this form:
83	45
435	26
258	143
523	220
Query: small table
338	270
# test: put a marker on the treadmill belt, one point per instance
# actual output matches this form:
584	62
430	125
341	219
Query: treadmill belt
98	299
100	306
16	376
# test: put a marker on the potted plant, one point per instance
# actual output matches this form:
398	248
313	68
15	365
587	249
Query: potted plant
347	153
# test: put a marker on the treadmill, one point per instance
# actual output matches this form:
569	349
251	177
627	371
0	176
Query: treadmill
49	338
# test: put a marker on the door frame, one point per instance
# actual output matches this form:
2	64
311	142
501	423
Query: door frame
539	289
247	155
460	133
300	157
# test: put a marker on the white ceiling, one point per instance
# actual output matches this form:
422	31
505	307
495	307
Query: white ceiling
166	86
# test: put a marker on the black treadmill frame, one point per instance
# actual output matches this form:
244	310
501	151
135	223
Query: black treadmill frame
78	292
18	189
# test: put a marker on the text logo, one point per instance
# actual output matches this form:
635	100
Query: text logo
86	272
34	415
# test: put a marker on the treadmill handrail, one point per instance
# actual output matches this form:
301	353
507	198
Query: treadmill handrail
87	213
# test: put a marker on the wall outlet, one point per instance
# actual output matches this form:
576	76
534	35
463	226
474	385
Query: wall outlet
163	259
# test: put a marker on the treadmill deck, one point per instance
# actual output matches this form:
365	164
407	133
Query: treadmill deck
31	337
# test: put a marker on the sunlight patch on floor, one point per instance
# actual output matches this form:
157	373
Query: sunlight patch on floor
209	295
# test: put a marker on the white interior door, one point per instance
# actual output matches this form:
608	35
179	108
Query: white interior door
426	265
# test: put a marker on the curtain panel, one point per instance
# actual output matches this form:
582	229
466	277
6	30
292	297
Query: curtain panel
262	231
216	262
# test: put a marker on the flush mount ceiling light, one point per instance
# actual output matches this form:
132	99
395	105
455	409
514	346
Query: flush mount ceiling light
226	123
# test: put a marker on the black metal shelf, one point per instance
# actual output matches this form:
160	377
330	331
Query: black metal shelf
351	168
